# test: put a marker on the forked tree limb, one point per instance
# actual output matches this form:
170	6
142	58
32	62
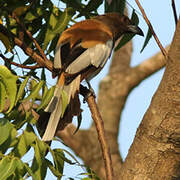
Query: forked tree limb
146	68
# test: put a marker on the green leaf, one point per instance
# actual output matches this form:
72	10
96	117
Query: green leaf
63	20
10	141
18	116
12	137
19	173
7	167
93	5
43	75
25	140
46	98
53	17
2	96
65	102
49	35
52	46
42	33
115	6
75	4
35	91
52	22
127	37
39	165
53	169
59	160
92	174
30	172
33	83
30	16
21	89
134	18
40	150
5	40
69	161
148	37
58	22
5	129
45	90
9	81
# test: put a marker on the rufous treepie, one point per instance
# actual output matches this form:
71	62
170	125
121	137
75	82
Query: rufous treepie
81	52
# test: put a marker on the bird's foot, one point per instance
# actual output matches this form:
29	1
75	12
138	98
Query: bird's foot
89	93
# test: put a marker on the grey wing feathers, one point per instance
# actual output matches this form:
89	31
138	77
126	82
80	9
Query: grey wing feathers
100	53
96	56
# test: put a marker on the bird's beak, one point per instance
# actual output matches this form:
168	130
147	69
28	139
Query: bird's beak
135	29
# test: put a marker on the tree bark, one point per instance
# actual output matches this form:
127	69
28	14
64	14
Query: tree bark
155	152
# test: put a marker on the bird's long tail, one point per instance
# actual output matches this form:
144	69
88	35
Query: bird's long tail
63	106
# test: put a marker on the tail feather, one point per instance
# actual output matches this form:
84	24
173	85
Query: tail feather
55	106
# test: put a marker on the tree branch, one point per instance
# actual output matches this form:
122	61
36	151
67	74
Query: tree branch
19	65
96	116
33	55
31	37
148	67
27	50
152	30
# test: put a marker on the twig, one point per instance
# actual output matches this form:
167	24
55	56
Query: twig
27	50
174	12
19	65
152	30
31	37
33	54
96	116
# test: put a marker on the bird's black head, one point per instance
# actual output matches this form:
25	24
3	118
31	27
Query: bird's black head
120	24
130	27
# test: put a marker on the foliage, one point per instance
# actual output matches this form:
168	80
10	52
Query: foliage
24	94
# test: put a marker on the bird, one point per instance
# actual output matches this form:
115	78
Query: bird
81	52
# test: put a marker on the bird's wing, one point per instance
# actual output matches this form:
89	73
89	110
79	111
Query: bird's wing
96	56
88	34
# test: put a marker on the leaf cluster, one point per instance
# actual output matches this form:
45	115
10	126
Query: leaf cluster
13	148
23	95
